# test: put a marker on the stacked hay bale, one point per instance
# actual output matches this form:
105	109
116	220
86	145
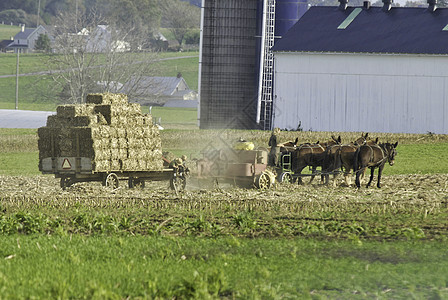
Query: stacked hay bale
109	130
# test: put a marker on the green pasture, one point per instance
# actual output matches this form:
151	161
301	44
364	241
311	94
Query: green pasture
8	31
114	267
32	95
28	63
188	67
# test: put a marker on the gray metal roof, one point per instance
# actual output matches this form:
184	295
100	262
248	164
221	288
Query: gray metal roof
23	35
357	29
162	86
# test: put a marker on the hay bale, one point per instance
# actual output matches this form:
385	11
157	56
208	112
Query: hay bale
102	154
101	165
58	122
107	98
74	110
84	121
115	134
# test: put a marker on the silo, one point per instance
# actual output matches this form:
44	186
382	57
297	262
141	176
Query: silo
287	13
232	65
228	75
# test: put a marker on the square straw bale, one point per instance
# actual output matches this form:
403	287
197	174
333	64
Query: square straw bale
115	165
114	143
107	98
147	119
152	165
101	165
122	143
121	132
100	132
90	120
58	122
102	154
74	110
101	144
129	164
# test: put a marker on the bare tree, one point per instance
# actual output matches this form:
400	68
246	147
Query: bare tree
180	17
93	55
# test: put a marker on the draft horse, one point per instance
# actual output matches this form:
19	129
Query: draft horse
372	157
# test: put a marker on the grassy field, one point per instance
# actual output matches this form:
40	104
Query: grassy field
114	267
8	31
289	242
32	97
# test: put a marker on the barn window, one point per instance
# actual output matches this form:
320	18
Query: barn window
350	18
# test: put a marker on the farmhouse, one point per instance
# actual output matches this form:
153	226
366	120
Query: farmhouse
161	91
26	39
371	69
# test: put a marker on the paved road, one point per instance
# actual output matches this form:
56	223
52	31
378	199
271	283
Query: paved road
10	118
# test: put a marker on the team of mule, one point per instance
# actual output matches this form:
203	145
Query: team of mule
334	157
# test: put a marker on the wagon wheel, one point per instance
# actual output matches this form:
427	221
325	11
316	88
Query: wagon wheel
263	181
178	183
65	182
286	177
136	183
111	181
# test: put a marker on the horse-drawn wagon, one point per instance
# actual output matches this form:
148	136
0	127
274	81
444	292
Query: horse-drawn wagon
243	168
106	139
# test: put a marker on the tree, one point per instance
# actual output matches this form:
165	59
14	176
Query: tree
139	18
43	43
192	37
94	58
180	17
16	16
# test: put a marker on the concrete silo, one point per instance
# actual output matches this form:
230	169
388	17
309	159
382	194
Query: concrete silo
235	65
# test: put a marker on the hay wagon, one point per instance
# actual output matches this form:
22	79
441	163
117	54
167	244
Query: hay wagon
243	168
107	139
74	169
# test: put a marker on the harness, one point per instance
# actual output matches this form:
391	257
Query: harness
372	163
384	154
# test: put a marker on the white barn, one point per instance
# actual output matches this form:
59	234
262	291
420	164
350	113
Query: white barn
371	69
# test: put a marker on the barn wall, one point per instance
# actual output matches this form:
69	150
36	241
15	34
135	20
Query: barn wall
370	93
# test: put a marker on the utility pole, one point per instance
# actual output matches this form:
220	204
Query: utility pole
17	79
38	14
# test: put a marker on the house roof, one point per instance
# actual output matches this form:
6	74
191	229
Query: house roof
4	44
400	30
23	35
162	86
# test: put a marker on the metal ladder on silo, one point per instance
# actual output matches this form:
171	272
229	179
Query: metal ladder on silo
267	61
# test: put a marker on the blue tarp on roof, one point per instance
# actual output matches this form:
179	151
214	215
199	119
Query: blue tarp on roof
400	30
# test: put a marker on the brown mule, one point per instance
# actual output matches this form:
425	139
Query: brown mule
373	156
313	155
348	155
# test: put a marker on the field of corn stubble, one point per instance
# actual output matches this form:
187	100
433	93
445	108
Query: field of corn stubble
409	206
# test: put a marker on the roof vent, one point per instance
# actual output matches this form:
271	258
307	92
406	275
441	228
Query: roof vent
343	4
387	5
432	5
367	4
